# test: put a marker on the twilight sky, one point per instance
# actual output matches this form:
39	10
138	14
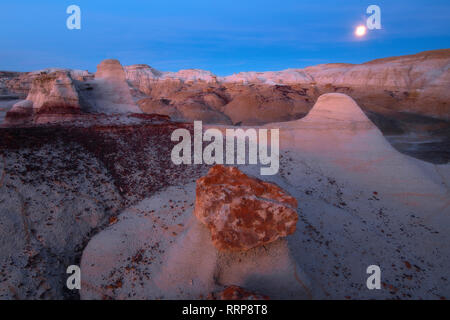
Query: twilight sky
221	36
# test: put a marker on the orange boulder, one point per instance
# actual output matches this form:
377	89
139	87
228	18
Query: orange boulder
243	212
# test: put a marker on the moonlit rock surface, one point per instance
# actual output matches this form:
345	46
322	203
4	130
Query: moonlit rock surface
111	92
136	72
74	73
414	83
288	76
191	75
397	88
110	69
362	203
243	212
336	109
24	107
160	242
54	92
21	111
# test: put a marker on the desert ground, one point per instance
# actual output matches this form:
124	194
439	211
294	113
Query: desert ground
86	178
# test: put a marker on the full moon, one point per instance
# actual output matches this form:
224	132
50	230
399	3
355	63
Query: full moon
360	31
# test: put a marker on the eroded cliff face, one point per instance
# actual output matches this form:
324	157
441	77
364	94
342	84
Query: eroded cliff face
50	93
384	88
56	94
228	103
414	84
14	85
110	92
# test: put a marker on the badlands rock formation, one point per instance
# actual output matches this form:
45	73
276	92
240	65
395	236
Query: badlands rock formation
18	84
125	213
181	95
100	186
415	84
111	93
158	249
199	95
56	93
388	90
14	85
21	109
362	203
243	212
53	93
365	204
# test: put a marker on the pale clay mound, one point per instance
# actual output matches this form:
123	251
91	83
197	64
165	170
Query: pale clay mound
159	250
56	93
360	203
110	92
